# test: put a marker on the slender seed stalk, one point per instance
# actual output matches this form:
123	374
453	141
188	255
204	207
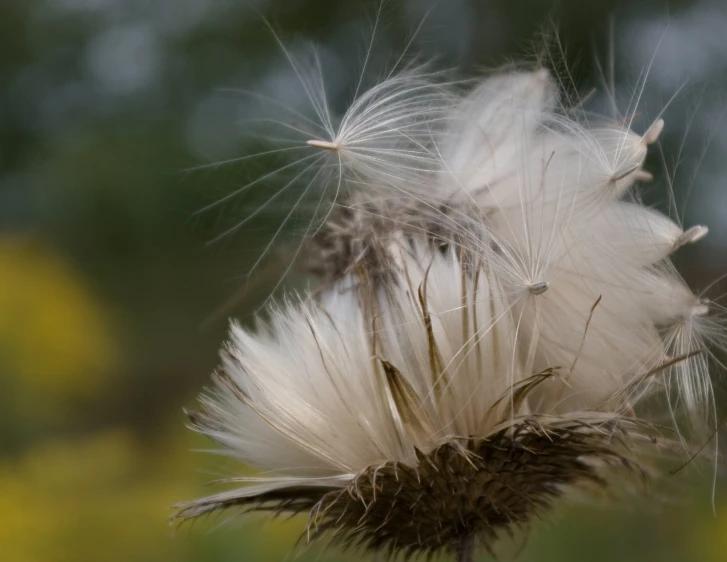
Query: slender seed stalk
466	549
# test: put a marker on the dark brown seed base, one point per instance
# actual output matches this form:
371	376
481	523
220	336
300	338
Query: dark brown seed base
464	490
474	488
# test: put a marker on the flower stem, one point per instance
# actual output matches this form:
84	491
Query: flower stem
466	549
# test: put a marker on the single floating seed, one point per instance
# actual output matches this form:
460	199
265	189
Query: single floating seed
539	288
326	145
652	135
691	235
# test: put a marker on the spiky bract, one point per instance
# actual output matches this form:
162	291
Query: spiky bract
465	489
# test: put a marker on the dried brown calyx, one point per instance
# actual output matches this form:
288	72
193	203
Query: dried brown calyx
464	493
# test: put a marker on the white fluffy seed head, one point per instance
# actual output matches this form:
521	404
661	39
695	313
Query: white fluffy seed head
494	262
369	374
542	201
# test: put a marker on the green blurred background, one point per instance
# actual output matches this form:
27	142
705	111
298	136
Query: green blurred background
113	305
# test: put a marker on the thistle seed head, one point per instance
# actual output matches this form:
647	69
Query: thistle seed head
494	305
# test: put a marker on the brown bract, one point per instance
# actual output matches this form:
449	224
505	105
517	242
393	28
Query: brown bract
465	491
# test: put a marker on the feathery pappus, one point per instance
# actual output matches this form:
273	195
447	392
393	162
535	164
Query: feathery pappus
497	325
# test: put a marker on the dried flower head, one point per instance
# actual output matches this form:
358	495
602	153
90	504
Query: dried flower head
495	304
401	420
